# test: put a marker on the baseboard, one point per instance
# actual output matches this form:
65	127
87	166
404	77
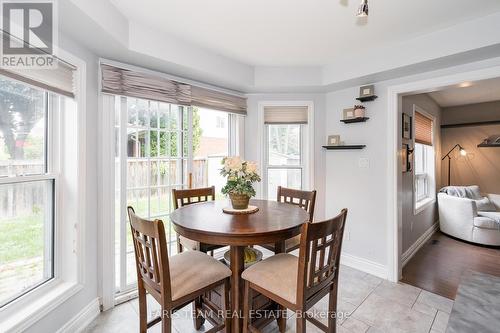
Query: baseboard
405	257
364	265
83	319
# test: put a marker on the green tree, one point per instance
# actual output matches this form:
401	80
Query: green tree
169	140
21	107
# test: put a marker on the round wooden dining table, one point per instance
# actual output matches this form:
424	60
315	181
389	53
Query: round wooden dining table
273	223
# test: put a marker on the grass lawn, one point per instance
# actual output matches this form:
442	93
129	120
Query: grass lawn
21	237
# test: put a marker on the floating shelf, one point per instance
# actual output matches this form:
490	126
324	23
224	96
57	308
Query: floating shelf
354	120
488	145
367	98
344	147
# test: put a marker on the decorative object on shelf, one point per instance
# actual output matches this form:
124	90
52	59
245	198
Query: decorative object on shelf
240	176
406	158
249	210
344	147
334	140
354	120
359	111
367	91
406	127
491	141
348	114
363	9
463	152
252	256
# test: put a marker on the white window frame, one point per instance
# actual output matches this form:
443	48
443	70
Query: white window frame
307	144
267	166
430	161
236	130
51	148
126	288
68	169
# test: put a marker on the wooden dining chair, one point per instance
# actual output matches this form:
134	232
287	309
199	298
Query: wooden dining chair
176	281
298	283
187	197
305	200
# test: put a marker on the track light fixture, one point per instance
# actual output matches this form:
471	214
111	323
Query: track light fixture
363	9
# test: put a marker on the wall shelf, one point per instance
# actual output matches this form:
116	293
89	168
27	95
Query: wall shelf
367	98
344	147
482	145
355	120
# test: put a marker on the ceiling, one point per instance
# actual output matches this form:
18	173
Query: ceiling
469	93
298	32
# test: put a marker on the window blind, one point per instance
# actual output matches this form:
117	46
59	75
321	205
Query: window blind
423	129
285	114
219	101
120	81
59	80
134	83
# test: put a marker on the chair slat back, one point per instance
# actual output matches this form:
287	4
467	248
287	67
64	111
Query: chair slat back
151	256
304	199
319	255
190	196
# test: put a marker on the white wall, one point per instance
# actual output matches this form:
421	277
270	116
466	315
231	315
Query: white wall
365	192
62	314
254	144
415	225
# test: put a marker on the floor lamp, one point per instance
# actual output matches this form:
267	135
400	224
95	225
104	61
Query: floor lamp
462	152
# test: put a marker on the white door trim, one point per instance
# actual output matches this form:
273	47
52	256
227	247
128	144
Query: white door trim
395	93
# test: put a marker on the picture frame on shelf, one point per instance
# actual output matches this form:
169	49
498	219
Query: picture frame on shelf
367	91
334	140
348	114
406	127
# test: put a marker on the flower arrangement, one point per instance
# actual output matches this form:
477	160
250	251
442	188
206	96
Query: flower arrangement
240	176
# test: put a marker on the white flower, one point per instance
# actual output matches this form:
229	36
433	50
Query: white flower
233	163
252	167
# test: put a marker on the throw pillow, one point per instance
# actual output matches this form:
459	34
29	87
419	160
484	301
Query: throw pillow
485	205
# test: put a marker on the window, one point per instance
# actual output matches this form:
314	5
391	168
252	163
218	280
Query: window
27	188
210	146
221	121
159	147
285	163
424	161
151	159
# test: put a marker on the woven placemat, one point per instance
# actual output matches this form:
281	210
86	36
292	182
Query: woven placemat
249	210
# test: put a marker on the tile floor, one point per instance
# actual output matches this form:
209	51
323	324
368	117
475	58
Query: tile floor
368	304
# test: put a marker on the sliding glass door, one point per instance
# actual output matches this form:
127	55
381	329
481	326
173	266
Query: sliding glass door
159	147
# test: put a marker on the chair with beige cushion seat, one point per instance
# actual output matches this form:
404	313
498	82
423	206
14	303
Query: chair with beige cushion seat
305	200
187	197
298	283
174	282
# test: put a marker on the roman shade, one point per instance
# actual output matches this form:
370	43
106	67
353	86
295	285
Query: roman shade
59	79
423	129
219	101
140	84
120	81
285	114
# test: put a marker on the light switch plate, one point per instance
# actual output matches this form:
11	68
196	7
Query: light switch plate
363	163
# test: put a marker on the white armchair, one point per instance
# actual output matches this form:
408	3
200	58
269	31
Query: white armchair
459	217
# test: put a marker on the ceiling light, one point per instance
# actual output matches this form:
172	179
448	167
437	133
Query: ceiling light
363	9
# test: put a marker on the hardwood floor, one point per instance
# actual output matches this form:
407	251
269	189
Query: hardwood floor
439	265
